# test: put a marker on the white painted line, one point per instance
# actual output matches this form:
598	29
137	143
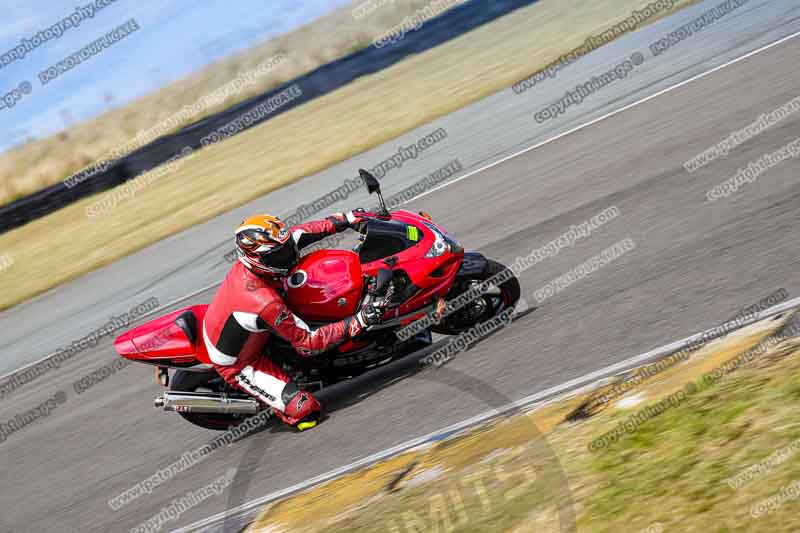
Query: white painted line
527	402
606	116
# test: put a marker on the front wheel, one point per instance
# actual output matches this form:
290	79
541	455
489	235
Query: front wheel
499	298
184	381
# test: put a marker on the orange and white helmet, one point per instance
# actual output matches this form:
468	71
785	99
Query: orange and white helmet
266	246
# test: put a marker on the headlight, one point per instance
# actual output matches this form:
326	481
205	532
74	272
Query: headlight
440	244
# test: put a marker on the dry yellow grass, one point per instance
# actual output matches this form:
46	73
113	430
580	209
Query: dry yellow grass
363	114
44	162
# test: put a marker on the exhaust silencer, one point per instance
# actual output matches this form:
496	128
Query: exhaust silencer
207	402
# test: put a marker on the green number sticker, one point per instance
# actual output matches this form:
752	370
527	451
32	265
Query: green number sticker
413	233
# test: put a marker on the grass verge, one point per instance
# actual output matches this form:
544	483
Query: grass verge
722	459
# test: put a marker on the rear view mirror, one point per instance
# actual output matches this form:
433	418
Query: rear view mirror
374	186
372	183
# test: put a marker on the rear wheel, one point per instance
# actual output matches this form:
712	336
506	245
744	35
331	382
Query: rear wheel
184	381
498	299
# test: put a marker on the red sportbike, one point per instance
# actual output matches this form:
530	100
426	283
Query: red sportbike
413	265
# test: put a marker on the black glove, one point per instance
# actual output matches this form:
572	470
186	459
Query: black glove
369	314
351	219
366	317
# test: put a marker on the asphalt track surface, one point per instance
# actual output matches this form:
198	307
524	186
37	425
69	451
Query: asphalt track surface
695	264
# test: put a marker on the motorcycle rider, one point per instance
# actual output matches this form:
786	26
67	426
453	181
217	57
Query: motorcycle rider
249	307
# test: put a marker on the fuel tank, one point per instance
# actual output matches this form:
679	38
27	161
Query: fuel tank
325	286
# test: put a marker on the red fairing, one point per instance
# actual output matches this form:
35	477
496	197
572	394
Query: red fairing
325	286
419	268
161	340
